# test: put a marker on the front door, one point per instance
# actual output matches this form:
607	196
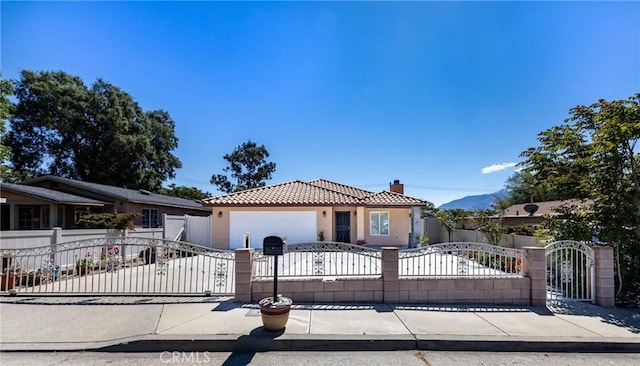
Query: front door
343	227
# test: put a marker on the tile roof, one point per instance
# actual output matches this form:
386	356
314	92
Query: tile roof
342	188
386	198
318	192
544	208
294	193
130	195
49	194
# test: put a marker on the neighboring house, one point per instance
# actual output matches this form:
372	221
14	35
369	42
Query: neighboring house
517	215
310	211
31	208
150	205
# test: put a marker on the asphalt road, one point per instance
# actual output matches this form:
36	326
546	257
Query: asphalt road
408	358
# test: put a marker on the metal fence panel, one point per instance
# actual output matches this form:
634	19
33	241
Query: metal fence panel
119	265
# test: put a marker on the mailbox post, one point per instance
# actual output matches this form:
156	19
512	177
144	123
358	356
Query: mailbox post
273	245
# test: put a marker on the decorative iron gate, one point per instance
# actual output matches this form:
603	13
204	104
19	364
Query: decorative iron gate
570	271
118	266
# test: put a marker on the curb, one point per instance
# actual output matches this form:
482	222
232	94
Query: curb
280	342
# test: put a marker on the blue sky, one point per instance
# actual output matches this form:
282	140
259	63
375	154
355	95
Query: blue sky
362	93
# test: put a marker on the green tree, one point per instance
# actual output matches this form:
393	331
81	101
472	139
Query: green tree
248	168
6	90
96	134
592	156
490	226
191	193
524	187
449	219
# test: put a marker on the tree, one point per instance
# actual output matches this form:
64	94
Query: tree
248	167
489	226
523	187
191	193
592	156
449	219
6	89
96	134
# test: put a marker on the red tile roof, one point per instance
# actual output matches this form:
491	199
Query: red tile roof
319	192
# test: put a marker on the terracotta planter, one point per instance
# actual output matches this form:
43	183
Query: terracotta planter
7	281
275	316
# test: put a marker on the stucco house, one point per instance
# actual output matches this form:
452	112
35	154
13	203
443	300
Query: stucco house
517	215
79	197
316	210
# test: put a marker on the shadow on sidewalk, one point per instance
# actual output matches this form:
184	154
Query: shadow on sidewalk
112	300
625	318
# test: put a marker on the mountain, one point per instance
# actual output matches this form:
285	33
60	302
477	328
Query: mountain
478	202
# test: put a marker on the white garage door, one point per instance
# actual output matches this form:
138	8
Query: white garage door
294	226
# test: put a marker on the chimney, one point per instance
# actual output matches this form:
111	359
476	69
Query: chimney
396	187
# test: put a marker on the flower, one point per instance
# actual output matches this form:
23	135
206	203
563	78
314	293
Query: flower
86	261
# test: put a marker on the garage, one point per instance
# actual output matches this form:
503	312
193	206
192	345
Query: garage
293	226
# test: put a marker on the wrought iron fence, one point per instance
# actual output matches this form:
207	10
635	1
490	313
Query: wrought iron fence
570	271
118	265
461	260
321	259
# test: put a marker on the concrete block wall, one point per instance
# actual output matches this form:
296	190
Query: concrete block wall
465	290
362	289
605	282
390	288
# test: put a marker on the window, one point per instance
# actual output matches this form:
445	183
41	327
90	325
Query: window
60	222
149	218
379	223
44	217
25	218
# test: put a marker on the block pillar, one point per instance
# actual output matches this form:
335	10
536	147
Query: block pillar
390	275
244	274
605	293
535	268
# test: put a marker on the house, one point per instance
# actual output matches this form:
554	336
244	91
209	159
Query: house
30	208
97	198
517	215
315	211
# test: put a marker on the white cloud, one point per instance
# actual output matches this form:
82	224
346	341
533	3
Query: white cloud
497	167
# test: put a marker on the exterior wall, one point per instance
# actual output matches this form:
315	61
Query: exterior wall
137	207
508	240
220	217
399	223
390	288
605	282
319	290
399	227
465	290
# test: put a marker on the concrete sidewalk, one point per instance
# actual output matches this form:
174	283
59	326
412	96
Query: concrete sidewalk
155	324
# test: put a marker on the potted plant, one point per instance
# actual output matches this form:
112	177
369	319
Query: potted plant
274	310
84	265
8	278
275	314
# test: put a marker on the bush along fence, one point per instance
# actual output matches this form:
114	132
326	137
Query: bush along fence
451	273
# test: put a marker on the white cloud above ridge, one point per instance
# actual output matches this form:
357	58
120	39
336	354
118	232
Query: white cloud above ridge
493	168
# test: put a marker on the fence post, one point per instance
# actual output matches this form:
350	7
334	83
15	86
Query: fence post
390	280
604	276
55	240
244	274
536	269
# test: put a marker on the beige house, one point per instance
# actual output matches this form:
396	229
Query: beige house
517	215
317	210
